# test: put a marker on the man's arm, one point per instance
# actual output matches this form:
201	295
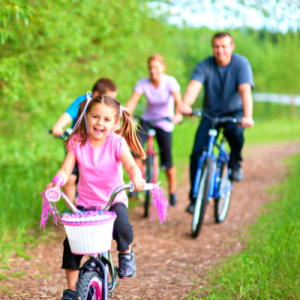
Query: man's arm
190	96
245	92
58	128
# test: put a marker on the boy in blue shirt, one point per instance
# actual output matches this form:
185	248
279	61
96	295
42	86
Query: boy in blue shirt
103	86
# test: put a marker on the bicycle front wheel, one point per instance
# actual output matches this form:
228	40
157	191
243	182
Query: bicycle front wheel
202	198
223	201
90	286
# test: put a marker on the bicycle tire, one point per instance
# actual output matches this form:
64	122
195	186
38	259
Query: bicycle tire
90	285
148	176
222	203
155	169
202	198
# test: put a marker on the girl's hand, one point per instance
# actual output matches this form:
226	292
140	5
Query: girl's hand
48	186
177	119
139	183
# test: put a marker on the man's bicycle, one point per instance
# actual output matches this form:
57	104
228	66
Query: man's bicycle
213	176
150	167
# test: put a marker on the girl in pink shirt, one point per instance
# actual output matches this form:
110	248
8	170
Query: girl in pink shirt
100	149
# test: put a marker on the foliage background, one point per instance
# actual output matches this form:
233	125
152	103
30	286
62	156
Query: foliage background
53	51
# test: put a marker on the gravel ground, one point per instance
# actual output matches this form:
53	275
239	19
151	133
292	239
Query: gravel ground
170	263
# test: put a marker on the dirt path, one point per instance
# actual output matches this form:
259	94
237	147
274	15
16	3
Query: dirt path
170	263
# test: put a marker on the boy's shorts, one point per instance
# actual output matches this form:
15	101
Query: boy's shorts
76	172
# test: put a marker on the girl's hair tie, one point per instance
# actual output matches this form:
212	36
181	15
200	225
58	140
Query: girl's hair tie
79	119
122	109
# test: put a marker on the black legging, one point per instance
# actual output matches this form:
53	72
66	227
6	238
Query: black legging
164	140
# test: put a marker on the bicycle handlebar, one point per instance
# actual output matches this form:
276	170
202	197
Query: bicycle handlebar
151	122
65	134
215	120
129	186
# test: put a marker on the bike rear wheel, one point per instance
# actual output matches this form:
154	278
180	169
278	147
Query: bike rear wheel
202	198
223	201
90	285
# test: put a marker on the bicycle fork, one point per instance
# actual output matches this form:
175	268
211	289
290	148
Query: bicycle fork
212	136
95	264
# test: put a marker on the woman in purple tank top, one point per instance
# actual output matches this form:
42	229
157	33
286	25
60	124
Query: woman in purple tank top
163	97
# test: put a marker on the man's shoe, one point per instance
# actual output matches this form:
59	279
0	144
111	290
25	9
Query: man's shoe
133	195
190	208
68	295
237	174
127	267
173	199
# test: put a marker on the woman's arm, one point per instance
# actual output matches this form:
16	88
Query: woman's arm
65	170
58	128
132	170
178	103
133	101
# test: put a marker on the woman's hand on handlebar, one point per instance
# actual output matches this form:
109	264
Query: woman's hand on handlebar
185	109
177	119
247	122
139	183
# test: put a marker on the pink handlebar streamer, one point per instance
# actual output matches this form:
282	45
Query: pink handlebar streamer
47	211
161	204
58	180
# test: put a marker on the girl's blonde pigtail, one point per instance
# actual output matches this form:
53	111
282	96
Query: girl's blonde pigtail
128	132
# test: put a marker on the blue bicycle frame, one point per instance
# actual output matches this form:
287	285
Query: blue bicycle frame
217	162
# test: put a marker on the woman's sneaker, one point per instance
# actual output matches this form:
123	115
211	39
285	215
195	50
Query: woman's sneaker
68	295
127	267
173	199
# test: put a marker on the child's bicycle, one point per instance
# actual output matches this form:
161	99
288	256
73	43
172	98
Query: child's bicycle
213	176
150	164
88	233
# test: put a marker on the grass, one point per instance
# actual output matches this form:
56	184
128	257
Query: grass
273	131
269	268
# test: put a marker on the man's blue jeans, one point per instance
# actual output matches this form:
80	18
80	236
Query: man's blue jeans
235	137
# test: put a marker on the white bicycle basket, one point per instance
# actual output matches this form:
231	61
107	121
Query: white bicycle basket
89	232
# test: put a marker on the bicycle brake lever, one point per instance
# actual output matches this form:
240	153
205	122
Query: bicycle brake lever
238	121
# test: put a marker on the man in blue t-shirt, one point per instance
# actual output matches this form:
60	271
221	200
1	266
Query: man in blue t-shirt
103	86
228	81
